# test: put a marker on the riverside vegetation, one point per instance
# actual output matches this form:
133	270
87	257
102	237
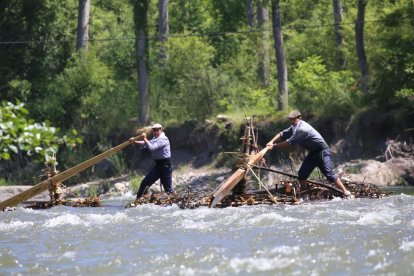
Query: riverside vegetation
218	57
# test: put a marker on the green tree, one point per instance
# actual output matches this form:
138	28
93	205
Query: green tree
282	70
142	56
393	58
34	46
315	90
183	89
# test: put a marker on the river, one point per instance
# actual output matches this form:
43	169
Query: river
337	237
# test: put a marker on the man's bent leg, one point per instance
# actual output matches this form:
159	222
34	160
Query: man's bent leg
166	178
327	169
152	176
308	165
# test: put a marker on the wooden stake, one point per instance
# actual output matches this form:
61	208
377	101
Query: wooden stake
263	185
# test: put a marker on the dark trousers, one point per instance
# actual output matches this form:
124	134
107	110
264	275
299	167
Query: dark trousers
320	159
163	171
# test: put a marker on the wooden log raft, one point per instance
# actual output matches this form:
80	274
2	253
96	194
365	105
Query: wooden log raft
44	185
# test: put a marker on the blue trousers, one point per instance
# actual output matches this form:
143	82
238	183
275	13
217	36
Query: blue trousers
163	171
320	159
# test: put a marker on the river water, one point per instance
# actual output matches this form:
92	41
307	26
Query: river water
338	237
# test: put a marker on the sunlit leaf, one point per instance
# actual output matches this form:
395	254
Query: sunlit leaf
14	148
5	156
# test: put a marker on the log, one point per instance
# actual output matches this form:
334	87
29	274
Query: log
44	185
258	156
235	178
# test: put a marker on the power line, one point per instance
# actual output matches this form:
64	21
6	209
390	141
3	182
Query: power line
157	37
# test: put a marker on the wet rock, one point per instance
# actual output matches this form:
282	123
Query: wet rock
395	171
121	187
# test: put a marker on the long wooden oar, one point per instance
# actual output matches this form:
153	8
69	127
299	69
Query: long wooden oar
44	185
235	178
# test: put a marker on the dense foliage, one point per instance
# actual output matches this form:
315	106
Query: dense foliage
22	137
211	68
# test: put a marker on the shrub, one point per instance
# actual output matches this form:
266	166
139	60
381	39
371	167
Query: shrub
18	134
319	91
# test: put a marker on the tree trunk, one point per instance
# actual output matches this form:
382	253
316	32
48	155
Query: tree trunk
250	14
141	27
282	74
359	38
163	29
82	35
264	55
338	16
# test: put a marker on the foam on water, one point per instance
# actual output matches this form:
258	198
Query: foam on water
14	225
342	237
86	219
407	246
64	220
197	224
69	254
119	217
378	218
269	219
258	264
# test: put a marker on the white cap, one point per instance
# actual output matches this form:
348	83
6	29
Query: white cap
156	126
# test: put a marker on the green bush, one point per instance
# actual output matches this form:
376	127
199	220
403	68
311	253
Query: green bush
181	89
20	135
3	182
318	91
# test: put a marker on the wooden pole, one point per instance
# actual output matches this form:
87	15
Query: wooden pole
44	185
297	177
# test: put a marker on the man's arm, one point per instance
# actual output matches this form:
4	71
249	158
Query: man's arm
275	139
140	142
160	143
274	145
284	144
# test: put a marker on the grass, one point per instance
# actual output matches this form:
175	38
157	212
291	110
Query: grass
135	182
92	191
7	182
3	182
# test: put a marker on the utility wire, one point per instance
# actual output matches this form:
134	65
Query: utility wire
157	37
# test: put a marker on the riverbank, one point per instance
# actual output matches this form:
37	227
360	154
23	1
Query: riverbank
395	172
201	164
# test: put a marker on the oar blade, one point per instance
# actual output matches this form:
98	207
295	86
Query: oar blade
227	186
235	178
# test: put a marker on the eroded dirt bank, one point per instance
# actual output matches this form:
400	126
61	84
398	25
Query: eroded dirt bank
371	148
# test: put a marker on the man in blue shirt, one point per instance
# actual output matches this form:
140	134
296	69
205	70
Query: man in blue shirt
302	133
159	146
